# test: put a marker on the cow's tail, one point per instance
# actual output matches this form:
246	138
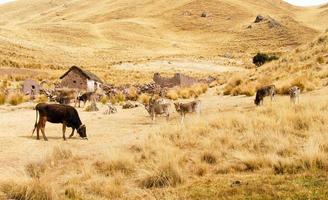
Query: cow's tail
36	121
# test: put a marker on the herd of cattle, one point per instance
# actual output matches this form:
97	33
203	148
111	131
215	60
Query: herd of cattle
69	117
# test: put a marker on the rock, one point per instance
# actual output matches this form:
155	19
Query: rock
110	109
129	105
259	18
204	14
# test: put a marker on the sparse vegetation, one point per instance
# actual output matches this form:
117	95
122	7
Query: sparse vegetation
15	99
262	58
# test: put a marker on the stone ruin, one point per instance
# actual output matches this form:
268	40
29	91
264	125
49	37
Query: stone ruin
178	80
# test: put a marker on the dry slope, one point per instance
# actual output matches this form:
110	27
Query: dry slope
95	33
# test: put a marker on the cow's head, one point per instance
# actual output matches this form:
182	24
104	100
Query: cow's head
82	131
177	106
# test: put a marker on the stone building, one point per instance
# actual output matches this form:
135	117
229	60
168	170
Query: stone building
30	87
178	79
77	78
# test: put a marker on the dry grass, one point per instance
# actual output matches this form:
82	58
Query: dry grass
144	99
269	140
2	98
15	99
41	99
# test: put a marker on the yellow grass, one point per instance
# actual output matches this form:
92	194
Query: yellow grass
277	138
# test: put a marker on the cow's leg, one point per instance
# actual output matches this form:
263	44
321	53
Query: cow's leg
182	117
39	126
153	117
64	130
167	116
38	131
71	135
43	125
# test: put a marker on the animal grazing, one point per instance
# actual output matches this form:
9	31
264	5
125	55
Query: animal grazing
57	113
158	107
191	107
263	92
88	96
294	93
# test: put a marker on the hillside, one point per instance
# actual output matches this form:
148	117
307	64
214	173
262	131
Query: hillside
39	33
306	66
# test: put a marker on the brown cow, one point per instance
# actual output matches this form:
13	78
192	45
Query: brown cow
57	113
191	107
158	107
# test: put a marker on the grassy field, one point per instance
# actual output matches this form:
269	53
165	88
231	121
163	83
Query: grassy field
234	151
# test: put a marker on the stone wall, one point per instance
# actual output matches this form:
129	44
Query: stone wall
177	80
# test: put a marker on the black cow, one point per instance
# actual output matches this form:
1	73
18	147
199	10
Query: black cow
88	96
269	90
56	113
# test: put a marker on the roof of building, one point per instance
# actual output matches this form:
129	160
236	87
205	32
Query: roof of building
86	73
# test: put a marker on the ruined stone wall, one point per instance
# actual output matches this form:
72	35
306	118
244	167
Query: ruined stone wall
177	80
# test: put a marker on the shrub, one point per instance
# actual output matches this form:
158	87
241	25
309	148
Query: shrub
261	58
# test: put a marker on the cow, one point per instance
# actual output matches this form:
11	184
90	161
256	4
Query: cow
88	96
191	107
57	113
158	107
294	93
269	90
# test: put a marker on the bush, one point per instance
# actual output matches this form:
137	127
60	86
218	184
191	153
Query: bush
262	58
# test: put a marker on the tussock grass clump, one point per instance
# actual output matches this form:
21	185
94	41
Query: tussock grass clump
144	99
15	99
209	158
164	176
104	99
110	189
34	189
41	99
60	153
2	98
117	99
172	94
133	93
35	169
72	193
110	167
